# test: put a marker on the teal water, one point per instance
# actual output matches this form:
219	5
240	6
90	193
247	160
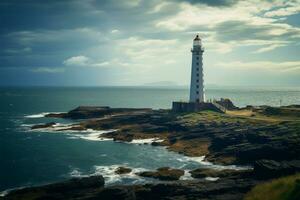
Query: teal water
32	157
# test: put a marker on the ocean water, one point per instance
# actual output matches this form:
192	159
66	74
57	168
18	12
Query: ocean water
38	157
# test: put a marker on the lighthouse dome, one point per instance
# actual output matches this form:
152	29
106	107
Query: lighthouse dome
197	41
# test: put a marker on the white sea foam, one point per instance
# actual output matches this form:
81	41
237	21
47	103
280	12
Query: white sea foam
76	173
146	141
54	128
212	178
108	172
92	135
6	192
3	193
187	176
39	115
207	164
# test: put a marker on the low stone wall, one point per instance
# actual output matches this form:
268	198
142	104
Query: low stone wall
194	107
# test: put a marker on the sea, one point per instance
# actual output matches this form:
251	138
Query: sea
30	158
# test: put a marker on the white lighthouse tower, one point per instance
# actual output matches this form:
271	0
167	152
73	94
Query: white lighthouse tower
197	86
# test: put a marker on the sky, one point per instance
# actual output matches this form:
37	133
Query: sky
148	42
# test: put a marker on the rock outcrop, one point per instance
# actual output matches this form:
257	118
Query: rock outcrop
123	170
70	189
92	188
208	172
47	125
164	173
88	112
265	169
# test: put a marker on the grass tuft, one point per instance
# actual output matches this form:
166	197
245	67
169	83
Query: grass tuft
285	188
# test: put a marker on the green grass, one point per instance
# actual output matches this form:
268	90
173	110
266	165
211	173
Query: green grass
210	116
286	188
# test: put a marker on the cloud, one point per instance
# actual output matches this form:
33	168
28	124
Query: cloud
287	66
84	61
216	3
48	70
228	26
24	50
115	31
145	40
292	9
77	61
269	48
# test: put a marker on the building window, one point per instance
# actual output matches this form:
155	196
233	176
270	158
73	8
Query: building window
197	74
197	69
197	92
197	58
197	86
197	63
197	100
197	81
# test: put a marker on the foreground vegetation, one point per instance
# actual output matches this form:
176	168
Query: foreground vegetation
286	188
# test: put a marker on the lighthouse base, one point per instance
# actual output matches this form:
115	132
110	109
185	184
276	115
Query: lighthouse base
194	107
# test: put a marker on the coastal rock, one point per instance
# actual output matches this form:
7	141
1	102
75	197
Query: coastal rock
87	112
271	169
123	137
74	128
164	173
47	125
155	144
227	103
69	189
207	172
116	193
123	170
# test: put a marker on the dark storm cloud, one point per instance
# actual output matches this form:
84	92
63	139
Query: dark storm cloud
28	15
39	35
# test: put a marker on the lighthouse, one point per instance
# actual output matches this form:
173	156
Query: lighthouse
197	83
197	98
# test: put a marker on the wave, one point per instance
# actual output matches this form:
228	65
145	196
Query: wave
108	172
211	178
91	135
207	164
187	176
40	115
145	141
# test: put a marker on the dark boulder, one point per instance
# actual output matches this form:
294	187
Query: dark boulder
207	172
69	189
227	103
47	125
164	173
116	193
265	169
123	170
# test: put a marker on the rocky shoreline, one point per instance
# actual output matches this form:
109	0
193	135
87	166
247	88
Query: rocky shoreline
263	137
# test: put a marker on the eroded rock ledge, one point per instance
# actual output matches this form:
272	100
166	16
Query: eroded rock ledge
264	137
236	137
91	188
